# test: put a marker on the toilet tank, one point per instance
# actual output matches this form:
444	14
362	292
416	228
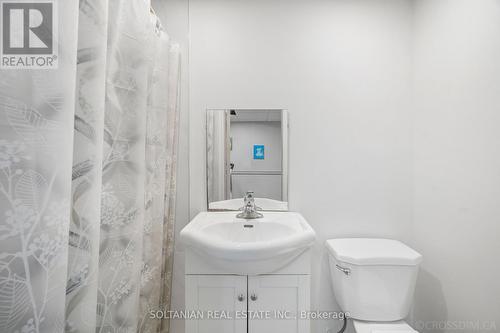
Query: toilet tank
373	279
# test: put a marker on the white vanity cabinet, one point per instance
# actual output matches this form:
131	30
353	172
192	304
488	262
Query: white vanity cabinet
253	304
284	298
247	276
215	296
232	303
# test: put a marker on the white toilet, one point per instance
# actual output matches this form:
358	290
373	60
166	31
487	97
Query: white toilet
374	281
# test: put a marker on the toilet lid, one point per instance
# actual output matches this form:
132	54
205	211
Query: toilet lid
373	251
378	327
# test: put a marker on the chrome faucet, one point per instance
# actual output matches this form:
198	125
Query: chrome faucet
249	210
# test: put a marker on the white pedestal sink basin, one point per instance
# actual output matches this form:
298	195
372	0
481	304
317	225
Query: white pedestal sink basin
248	247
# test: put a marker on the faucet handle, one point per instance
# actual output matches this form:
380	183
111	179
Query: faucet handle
249	210
249	197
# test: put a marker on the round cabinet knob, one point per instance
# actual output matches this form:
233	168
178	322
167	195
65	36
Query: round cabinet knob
253	297
241	297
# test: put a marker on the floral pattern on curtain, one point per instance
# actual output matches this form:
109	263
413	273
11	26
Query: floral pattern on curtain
122	199
36	144
83	263
87	176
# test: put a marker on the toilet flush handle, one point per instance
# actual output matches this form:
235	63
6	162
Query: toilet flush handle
345	270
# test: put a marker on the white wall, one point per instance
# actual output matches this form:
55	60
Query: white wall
457	161
343	70
245	134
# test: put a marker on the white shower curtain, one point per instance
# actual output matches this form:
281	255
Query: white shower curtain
87	176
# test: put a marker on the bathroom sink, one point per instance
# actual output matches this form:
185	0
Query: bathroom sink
248	247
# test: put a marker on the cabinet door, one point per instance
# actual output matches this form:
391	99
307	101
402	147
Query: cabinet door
275	303
220	298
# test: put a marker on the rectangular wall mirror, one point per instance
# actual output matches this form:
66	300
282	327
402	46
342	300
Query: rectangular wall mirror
247	150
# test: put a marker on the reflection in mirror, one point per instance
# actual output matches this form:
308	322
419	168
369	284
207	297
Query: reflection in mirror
247	151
